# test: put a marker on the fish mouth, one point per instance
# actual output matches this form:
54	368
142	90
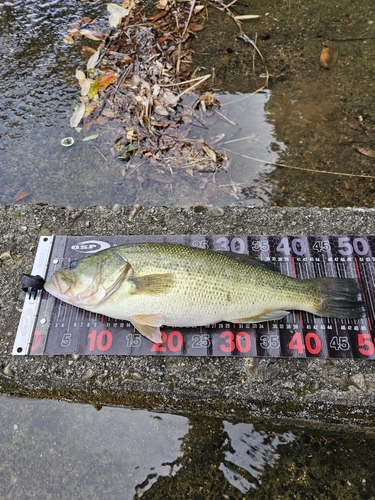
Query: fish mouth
57	287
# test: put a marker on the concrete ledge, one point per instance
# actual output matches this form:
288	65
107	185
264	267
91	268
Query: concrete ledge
321	391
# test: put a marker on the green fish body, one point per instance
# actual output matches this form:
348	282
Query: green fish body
154	284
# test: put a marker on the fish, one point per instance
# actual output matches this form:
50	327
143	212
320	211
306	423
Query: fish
155	284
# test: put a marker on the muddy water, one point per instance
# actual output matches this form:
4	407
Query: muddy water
52	449
310	119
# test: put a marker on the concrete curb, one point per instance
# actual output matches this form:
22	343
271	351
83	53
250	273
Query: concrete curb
321	391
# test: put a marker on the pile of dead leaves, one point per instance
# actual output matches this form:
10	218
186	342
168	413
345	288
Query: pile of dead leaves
139	75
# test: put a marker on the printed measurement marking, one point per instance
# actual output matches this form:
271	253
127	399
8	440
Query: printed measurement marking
67	329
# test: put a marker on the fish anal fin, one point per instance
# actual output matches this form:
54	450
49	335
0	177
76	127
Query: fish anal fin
151	284
262	316
148	325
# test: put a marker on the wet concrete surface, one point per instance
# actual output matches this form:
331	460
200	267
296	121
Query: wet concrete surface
317	390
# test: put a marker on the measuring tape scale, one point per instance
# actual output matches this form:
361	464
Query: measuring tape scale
49	326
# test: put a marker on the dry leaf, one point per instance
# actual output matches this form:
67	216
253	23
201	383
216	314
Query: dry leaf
160	109
117	13
248	16
5	255
87	51
90	137
68	39
20	195
329	54
133	212
355	125
93	60
209	151
80	75
77	115
101	120
157	16
92	34
195	27
162	4
367	151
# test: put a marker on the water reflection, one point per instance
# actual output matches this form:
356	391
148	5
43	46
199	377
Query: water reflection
249	452
53	449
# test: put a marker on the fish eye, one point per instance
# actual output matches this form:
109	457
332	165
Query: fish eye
73	264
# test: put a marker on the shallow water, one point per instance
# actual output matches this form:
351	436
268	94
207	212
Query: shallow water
53	449
311	119
39	92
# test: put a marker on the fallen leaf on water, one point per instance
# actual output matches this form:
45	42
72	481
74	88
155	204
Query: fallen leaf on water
5	255
195	27
80	75
329	54
87	51
367	151
209	151
92	34
247	16
90	137
68	39
101	120
355	125
77	115
20	195
117	13
93	60
85	86
347	142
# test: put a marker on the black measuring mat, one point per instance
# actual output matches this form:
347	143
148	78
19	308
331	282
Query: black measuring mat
49	326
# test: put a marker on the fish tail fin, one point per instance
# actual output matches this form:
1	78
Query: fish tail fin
339	298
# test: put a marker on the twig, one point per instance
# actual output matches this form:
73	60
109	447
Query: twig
98	150
189	17
202	79
302	168
225	118
183	83
241	139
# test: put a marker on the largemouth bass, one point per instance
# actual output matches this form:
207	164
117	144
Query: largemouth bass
154	284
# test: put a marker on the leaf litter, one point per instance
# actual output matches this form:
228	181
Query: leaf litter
139	75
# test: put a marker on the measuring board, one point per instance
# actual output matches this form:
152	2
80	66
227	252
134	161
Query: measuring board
49	326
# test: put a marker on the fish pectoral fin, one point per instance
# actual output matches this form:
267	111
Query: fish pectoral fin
149	326
262	316
153	283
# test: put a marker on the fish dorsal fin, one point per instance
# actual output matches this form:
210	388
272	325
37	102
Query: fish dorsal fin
151	284
149	326
247	259
263	316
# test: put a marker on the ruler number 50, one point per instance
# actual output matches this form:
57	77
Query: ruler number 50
359	245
